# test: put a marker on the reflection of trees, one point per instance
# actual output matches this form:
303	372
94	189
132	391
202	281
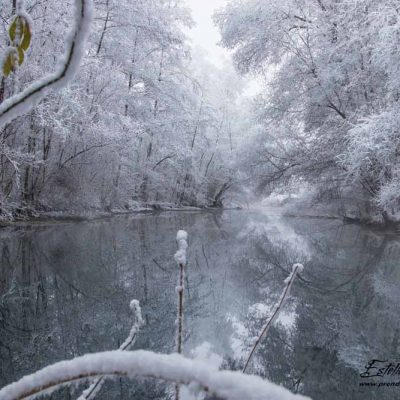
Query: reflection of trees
342	328
65	291
73	284
70	297
340	313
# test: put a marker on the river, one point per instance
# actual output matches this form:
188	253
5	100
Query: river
65	291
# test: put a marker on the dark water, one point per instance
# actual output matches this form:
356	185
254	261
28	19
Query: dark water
65	291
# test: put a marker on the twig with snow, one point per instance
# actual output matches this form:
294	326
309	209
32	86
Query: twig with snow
23	102
231	385
289	282
97	384
180	258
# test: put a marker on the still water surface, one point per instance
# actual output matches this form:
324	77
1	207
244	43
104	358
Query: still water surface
65	291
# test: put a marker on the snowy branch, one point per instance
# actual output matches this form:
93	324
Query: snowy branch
171	368
23	102
94	388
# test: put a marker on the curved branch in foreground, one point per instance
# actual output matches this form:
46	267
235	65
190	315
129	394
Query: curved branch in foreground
75	43
232	385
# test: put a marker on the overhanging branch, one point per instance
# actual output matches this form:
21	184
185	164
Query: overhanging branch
21	103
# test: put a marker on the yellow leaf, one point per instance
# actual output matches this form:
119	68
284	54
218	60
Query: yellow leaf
21	55
9	64
13	28
26	39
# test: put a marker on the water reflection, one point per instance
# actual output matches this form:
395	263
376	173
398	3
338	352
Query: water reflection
65	291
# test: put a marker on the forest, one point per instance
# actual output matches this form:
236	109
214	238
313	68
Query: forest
174	129
177	226
329	108
162	122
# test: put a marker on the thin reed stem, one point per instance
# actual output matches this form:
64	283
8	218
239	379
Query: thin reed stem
289	282
180	257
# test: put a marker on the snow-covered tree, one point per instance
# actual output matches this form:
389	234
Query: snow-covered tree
330	73
139	105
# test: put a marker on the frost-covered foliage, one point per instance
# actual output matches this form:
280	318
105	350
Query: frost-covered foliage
330	101
159	122
372	157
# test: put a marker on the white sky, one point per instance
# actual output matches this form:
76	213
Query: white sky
205	33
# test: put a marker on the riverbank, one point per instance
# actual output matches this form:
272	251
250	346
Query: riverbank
304	205
46	218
